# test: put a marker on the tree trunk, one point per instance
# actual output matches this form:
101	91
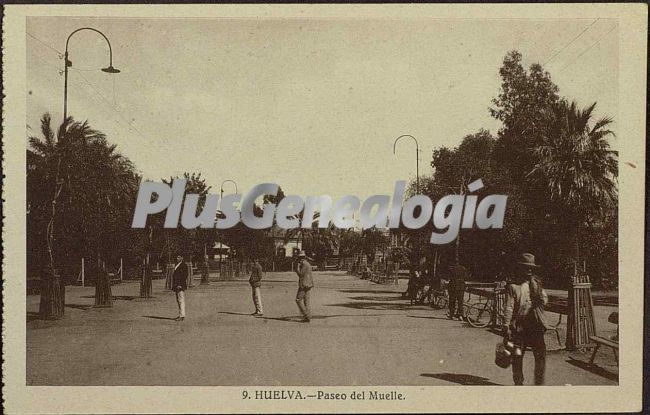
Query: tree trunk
205	273
52	305
576	242
103	296
145	282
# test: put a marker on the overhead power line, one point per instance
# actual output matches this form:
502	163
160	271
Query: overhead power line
588	49
46	45
113	107
572	40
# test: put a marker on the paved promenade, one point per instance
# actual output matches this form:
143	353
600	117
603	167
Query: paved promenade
362	334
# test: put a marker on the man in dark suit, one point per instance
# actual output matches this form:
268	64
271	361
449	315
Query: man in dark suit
456	291
179	285
305	284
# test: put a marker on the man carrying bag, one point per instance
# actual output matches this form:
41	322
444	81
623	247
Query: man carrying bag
525	319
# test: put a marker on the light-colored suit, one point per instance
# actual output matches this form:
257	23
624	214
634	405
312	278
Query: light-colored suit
519	304
305	279
525	316
305	284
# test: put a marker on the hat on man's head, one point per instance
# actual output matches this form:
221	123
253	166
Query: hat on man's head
528	260
301	254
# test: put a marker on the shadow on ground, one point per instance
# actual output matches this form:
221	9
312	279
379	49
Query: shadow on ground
596	370
80	306
376	305
370	292
376	298
298	319
432	318
160	317
115	297
461	379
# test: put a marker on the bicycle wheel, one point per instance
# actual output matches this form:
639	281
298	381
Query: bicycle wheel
478	316
439	300
419	295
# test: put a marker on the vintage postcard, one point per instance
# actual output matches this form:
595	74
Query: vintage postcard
323	208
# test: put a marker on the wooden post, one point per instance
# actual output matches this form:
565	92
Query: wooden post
121	269
83	273
146	284
205	272
499	305
581	324
169	276
103	295
190	277
52	302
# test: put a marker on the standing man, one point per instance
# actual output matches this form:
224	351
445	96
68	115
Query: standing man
179	285
456	291
305	284
525	319
256	282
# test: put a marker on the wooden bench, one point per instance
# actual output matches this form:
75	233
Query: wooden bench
602	341
385	279
561	309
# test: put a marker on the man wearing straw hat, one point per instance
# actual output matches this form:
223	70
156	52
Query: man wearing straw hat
305	284
525	320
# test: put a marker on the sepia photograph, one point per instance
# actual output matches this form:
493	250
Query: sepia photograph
326	208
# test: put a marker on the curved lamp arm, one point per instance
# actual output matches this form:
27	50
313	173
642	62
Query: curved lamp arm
417	161
417	147
231	181
110	68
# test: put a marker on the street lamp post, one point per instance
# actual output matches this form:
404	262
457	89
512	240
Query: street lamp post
417	162
68	63
221	201
53	292
417	177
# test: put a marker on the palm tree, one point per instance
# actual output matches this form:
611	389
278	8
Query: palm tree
88	191
577	166
49	158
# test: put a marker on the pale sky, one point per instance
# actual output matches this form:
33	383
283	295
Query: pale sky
313	105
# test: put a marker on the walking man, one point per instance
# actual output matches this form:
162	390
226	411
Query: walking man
256	282
305	284
456	290
179	285
525	319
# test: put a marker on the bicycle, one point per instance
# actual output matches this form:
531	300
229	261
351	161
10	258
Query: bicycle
482	314
439	298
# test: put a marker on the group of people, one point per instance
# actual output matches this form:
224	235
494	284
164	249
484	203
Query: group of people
305	284
303	296
524	318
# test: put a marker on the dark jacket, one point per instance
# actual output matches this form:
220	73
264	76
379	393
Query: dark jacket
304	274
457	279
180	277
256	276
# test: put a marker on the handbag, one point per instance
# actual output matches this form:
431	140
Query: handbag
502	355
